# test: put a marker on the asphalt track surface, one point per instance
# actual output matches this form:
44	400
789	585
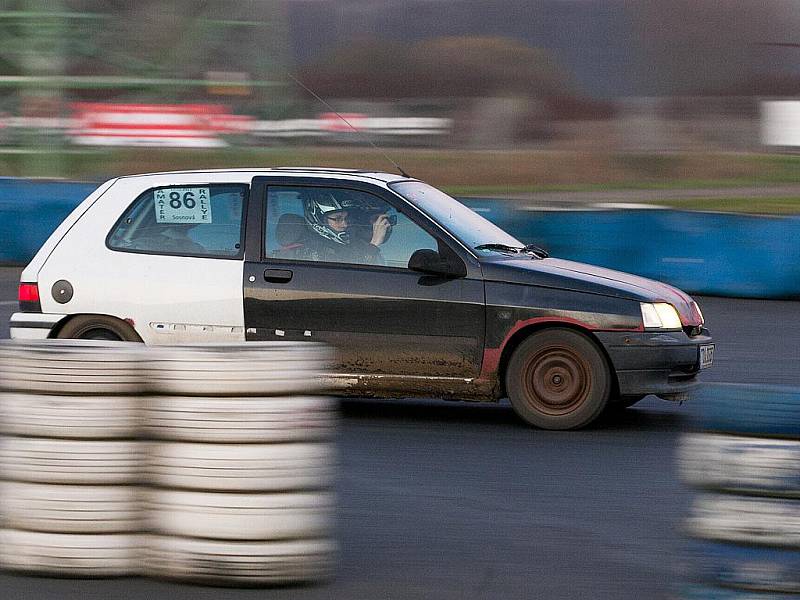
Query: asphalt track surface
454	500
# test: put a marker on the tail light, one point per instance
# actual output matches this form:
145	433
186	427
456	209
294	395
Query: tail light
29	297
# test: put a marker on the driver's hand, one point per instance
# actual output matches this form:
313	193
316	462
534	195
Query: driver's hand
380	229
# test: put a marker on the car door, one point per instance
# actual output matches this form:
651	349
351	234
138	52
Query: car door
381	317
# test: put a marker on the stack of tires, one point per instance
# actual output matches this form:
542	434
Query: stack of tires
744	460
70	459
242	468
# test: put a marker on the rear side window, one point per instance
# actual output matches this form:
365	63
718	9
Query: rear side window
199	220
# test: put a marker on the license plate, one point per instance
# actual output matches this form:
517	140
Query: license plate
706	355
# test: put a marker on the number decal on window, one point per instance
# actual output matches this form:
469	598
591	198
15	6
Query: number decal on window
183	205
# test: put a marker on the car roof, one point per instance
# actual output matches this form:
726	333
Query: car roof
249	173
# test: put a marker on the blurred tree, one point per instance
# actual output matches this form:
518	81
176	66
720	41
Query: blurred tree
487	66
441	67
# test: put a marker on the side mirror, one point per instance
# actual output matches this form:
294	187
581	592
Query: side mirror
431	262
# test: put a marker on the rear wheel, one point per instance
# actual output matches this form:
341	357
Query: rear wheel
98	327
558	379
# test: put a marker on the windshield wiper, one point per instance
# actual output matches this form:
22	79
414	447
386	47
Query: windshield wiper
536	251
499	248
528	249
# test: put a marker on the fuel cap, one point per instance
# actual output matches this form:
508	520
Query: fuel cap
62	291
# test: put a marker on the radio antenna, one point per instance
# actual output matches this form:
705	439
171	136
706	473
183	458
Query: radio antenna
350	125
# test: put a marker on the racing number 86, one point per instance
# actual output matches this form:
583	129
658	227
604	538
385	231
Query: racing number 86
188	201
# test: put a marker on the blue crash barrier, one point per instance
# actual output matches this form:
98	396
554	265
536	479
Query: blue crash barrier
29	212
706	253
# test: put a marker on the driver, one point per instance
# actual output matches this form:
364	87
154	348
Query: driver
333	235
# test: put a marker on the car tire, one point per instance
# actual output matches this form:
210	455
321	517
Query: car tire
759	466
241	467
92	417
65	461
70	555
558	379
98	327
751	568
240	563
746	520
241	420
746	409
250	369
70	508
241	516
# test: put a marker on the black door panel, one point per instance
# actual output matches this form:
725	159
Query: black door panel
380	320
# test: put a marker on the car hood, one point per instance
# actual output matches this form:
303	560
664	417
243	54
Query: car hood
580	277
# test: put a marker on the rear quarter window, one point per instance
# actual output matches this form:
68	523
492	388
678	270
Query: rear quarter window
196	220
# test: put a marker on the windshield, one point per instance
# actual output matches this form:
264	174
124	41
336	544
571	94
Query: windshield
468	226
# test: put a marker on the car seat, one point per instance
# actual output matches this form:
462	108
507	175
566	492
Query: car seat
289	232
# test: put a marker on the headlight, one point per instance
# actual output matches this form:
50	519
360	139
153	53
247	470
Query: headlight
660	316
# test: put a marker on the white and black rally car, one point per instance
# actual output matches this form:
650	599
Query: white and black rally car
420	295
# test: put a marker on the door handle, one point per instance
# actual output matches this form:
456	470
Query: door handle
277	275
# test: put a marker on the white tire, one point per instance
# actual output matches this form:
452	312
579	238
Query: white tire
99	417
241	420
262	369
70	508
236	516
82	351
240	563
66	461
206	384
66	384
741	464
69	554
241	467
255	353
746	520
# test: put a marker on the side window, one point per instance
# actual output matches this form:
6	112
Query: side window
341	226
203	220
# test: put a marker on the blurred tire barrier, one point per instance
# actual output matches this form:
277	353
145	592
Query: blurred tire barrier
750	568
242	563
741	464
746	520
240	419
744	459
77	417
81	462
256	369
81	555
241	468
69	459
248	472
52	508
233	488
241	517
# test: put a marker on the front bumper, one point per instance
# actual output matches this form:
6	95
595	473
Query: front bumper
662	363
32	326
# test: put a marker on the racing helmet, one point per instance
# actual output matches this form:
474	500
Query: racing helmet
317	204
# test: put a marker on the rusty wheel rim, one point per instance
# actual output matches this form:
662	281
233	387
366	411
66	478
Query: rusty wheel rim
557	380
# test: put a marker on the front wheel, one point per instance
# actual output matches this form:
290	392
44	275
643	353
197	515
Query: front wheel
558	379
